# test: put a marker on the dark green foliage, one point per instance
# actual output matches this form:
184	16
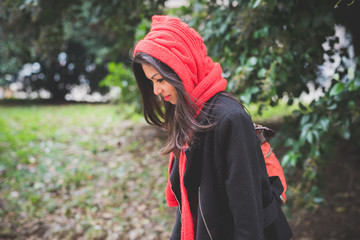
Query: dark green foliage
122	77
93	32
272	46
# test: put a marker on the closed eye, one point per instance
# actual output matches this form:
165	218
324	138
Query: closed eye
157	80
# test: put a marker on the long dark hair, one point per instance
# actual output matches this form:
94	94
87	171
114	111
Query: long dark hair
179	120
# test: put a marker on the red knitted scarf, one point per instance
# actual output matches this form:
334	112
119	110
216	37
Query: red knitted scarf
182	49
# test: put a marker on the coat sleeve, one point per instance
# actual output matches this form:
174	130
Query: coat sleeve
242	179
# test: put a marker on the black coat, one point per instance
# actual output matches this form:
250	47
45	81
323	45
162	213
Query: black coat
228	187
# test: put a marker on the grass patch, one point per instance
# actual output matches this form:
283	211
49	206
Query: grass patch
79	166
272	113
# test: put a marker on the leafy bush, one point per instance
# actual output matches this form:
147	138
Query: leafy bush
321	126
122	77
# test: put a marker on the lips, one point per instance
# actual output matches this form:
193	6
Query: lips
167	98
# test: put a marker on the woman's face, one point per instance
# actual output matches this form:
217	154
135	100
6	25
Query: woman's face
160	86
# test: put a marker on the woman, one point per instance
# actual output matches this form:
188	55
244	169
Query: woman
217	175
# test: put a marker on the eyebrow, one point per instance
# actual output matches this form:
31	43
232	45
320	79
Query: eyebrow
154	75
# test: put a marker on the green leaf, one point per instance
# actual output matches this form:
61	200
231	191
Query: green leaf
261	73
285	160
332	106
252	61
306	127
344	129
309	137
290	159
357	82
246	98
253	89
354	84
316	134
318	200
346	133
351	104
256	4
112	67
324	123
304	119
336	89
289	142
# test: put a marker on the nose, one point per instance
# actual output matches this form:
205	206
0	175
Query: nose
156	89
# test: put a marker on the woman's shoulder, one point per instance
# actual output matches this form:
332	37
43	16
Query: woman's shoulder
231	120
224	106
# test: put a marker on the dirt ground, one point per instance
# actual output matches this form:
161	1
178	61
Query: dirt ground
339	216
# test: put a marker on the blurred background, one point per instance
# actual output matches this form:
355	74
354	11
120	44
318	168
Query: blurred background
77	160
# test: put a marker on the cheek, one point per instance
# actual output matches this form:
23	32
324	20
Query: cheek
168	87
173	90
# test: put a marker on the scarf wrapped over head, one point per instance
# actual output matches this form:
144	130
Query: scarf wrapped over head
183	50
